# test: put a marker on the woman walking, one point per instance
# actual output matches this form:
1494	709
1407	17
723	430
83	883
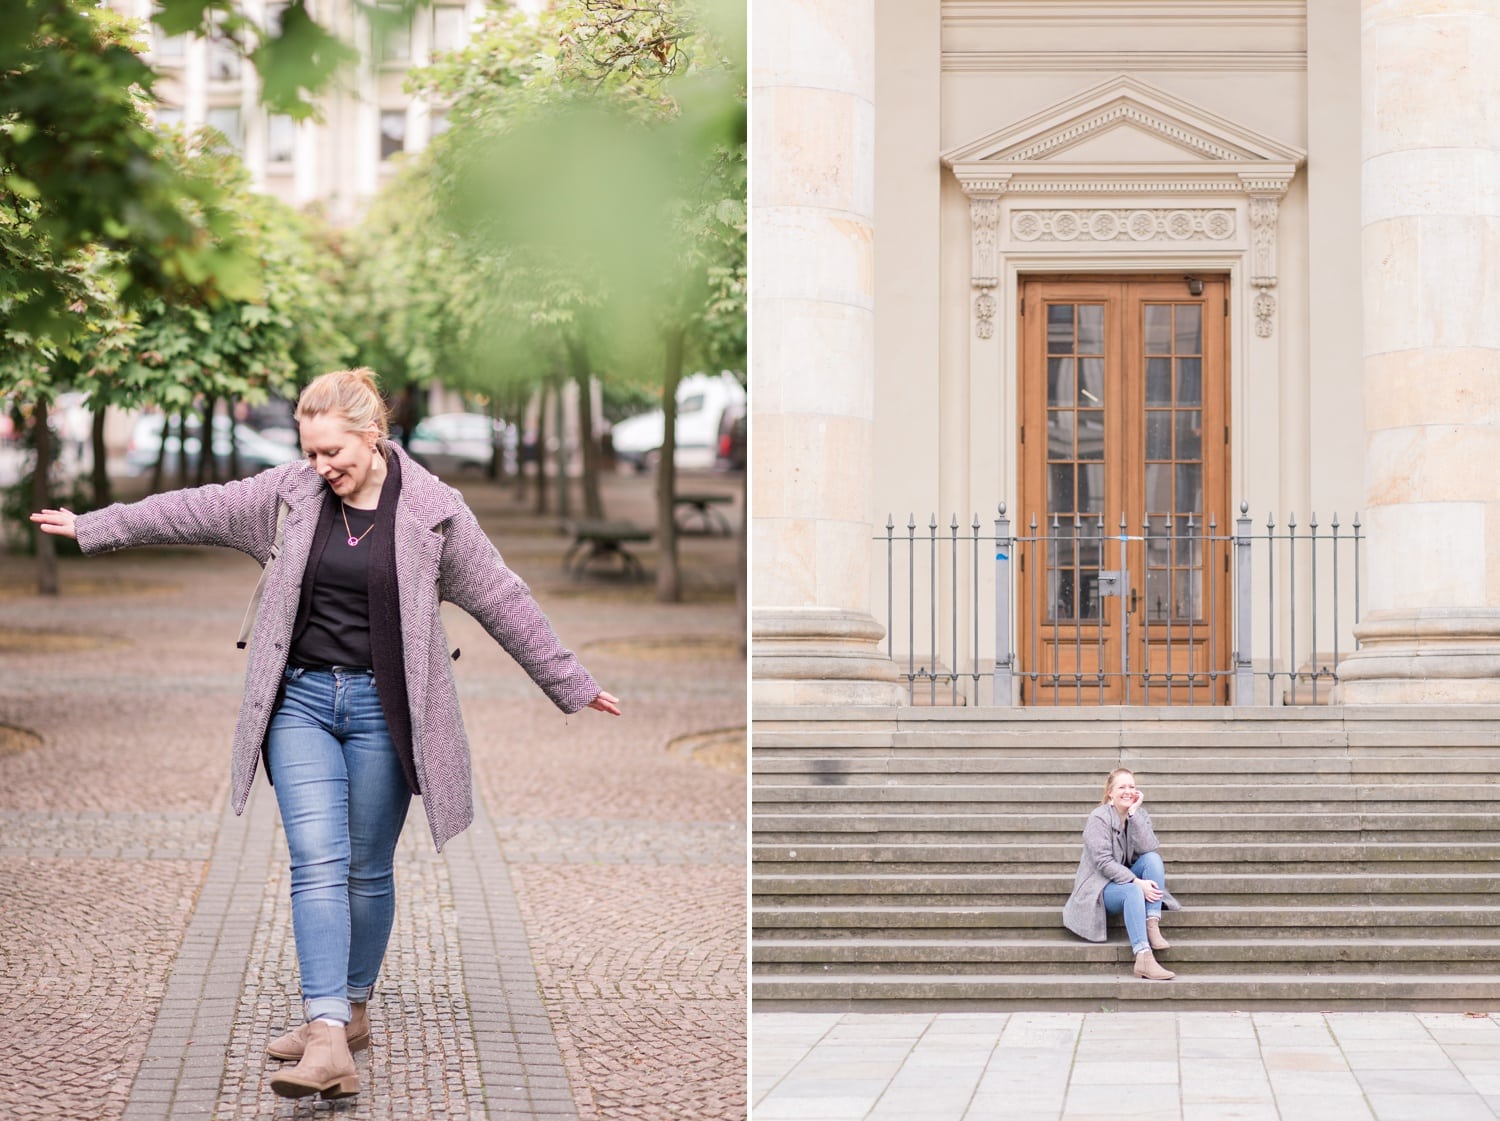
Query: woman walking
349	692
1121	871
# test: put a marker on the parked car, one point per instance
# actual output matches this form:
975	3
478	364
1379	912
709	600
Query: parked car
701	402
454	443
256	452
732	432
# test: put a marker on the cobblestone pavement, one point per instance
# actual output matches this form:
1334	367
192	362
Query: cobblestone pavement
578	953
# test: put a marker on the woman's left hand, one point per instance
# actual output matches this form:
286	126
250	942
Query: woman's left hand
1140	800
605	702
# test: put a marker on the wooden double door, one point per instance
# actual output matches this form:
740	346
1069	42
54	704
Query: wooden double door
1123	585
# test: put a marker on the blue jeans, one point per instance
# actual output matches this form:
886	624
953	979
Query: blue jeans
1131	899
343	802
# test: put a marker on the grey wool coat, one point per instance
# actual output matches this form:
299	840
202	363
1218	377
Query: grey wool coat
1110	847
441	554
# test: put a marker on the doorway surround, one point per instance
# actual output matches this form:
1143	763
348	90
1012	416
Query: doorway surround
1123	177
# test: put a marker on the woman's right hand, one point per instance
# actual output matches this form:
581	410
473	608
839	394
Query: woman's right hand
59	523
1151	890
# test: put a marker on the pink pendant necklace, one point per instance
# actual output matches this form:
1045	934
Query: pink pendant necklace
353	541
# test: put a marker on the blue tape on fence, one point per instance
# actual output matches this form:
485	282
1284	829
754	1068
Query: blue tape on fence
1001	556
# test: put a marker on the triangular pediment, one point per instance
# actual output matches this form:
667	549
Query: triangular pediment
1125	123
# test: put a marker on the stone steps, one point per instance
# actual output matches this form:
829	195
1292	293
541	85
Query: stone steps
1342	956
1324	860
1117	988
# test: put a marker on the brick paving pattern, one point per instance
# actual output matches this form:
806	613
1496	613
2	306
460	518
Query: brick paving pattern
578	953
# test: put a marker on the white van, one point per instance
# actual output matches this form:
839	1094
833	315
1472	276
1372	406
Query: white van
701	401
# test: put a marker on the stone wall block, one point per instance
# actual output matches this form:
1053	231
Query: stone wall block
1433	463
1426	555
1429	83
814	254
767	450
843	560
1449	181
785	568
824	468
829	44
810	152
1406	387
1429	282
821	352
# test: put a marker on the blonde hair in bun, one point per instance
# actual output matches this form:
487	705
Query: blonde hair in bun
350	395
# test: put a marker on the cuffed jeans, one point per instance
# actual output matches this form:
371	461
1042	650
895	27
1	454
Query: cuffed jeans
343	802
1131	899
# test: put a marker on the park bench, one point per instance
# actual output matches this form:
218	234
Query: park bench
604	542
698	508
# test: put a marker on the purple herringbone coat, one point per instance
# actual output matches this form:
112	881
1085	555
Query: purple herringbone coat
441	554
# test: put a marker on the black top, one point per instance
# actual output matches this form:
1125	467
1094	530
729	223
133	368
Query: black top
338	617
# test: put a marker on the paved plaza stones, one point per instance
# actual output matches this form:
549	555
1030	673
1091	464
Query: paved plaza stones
1102	1066
578	953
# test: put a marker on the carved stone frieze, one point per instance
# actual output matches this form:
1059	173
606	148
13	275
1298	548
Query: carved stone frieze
1137	225
1264	209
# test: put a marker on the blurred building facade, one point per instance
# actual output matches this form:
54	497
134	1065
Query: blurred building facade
367	117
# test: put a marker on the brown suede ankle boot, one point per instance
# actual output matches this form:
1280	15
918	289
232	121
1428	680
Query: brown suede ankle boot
1154	935
326	1068
290	1045
1145	966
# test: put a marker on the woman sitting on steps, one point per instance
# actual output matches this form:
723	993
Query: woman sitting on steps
1121	870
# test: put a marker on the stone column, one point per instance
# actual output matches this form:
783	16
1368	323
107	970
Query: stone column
812	372
1431	239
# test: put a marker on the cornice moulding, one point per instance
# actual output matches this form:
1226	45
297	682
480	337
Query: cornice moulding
962	61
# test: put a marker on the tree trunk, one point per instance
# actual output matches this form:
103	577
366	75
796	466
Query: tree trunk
182	453
541	451
564	484
41	499
103	496
578	358
208	462
232	406
159	469
497	450
668	573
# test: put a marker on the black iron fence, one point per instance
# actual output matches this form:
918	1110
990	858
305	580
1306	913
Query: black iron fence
1074	611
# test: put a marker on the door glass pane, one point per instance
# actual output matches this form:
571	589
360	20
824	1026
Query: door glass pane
1158	381
1091	329
1088	582
1156	595
1158	328
1190	381
1090	434
1059	434
1189	488
1059	328
1062	540
1059	381
1189	545
1189	329
1159	487
1158	546
1187	594
1091	488
1060	488
1060	594
1189	434
1159	434
1091	383
1090	544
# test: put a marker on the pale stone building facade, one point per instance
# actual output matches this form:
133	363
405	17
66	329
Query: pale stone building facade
367	118
1208	253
